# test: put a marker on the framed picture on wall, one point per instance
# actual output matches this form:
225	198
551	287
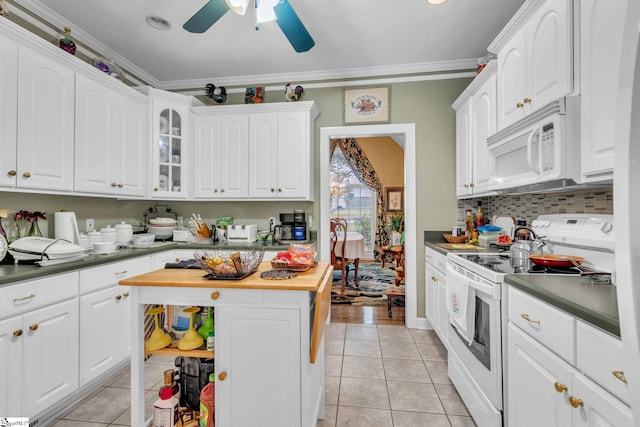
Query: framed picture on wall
394	199
366	105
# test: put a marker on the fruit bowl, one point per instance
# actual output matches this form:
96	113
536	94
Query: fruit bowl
229	264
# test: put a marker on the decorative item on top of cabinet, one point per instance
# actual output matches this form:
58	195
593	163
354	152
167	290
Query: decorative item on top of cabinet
66	43
535	58
254	95
4	10
220	97
291	94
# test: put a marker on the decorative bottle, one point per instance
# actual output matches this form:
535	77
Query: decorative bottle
479	216
468	224
170	383
66	43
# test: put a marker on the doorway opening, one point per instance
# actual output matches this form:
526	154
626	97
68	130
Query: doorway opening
403	134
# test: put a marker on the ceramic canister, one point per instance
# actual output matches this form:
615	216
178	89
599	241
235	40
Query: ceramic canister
94	237
109	234
124	232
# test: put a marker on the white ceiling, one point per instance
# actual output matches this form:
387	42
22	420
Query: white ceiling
354	38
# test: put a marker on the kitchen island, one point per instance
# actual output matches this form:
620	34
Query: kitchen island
268	351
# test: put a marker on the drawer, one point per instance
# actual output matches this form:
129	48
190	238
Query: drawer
436	259
198	296
550	326
599	357
176	255
27	296
104	276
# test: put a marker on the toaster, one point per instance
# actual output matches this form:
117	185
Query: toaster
246	232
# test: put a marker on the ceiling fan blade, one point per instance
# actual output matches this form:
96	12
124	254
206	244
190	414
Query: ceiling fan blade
292	27
206	16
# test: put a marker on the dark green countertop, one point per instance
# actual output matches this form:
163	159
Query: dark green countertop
11	273
432	239
595	304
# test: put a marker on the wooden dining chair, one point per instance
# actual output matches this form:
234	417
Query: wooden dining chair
338	261
389	249
396	290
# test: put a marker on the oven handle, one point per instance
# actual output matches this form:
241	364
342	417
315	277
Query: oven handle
474	281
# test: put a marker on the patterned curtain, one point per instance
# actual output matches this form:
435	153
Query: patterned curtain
367	176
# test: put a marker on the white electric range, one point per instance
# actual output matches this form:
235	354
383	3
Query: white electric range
476	340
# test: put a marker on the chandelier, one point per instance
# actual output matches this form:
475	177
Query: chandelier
337	188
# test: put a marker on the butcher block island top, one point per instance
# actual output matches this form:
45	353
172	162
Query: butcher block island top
309	280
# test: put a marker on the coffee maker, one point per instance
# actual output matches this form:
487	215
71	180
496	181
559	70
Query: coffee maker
293	226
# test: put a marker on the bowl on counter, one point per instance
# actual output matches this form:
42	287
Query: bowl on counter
143	239
104	247
161	232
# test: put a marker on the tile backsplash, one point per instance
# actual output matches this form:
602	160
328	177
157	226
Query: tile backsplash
529	206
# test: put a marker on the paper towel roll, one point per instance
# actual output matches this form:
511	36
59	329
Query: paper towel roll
66	226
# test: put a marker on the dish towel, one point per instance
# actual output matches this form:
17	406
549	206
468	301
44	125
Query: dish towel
461	304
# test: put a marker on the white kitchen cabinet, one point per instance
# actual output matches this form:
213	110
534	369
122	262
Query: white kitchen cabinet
545	384
11	366
436	284
105	316
111	140
601	25
220	152
38	344
475	122
8	111
170	144
281	151
159	260
45	145
535	58
241	333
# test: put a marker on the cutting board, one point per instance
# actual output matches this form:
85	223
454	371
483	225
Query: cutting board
460	246
507	224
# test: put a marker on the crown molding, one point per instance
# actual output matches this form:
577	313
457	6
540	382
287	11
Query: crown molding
515	24
337	77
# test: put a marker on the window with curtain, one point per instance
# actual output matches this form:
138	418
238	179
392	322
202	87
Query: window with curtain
352	200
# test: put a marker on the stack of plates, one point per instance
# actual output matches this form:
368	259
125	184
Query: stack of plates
162	228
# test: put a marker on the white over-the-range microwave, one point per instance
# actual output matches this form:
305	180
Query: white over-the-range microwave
541	152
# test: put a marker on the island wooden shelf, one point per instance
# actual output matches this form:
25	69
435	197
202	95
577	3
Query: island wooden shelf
173	350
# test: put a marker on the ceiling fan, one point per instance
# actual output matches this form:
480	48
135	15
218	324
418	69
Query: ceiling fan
266	10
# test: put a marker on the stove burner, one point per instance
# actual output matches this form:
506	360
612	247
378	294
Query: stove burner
541	269
503	263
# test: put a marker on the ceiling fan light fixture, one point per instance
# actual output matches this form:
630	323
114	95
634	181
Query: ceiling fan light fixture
264	10
436	2
238	6
158	23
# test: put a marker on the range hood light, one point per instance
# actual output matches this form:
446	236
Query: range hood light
436	2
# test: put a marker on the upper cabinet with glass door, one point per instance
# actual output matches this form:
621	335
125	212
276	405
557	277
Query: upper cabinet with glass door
170	144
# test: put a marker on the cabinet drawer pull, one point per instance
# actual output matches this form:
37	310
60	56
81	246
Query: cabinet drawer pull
519	105
12	173
118	297
560	387
33	327
434	278
24	298
575	402
526	317
27	174
527	100
126	294
17	333
215	295
113	184
120	273
222	376
619	375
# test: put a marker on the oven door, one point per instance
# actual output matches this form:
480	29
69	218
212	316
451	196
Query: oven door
482	359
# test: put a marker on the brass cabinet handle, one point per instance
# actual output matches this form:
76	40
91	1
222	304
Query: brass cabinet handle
118	297
215	190
120	273
527	100
12	173
120	185
113	184
273	190
24	298
33	327
519	105
466	186
126	294
279	190
155	188
526	317
434	278
472	185
222	376
560	387
619	375
26	175
215	295
575	402
17	333
222	190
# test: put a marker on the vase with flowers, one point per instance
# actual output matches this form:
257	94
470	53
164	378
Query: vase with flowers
23	218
